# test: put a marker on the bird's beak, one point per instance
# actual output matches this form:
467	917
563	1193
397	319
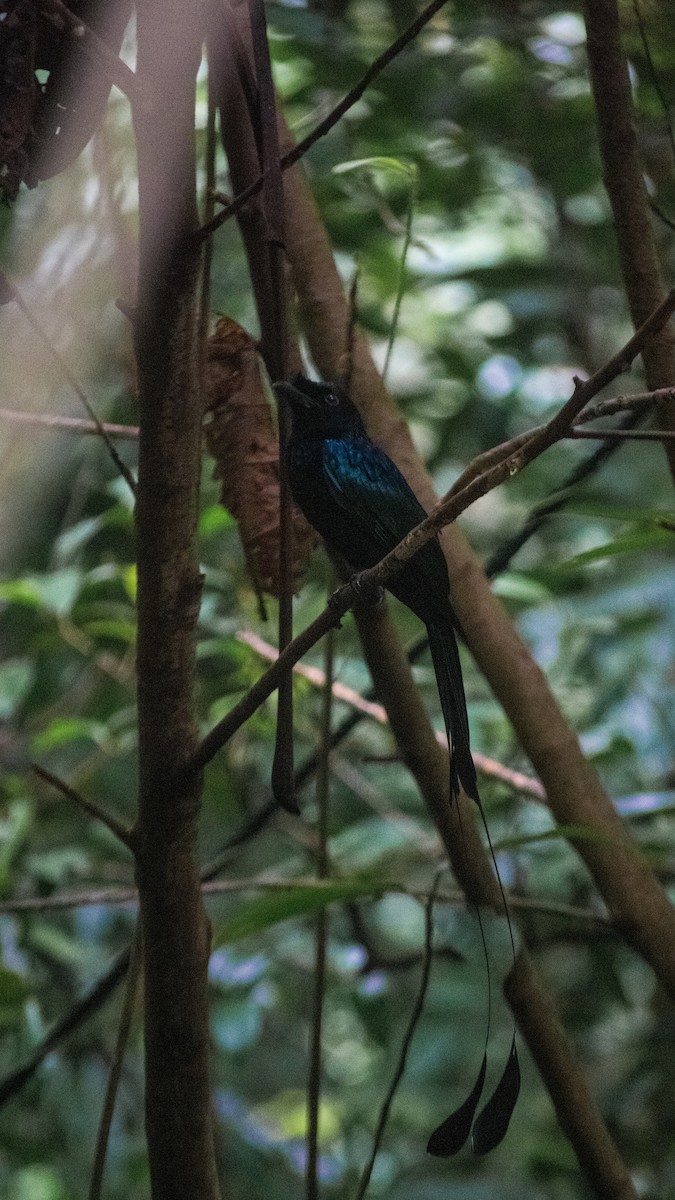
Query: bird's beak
294	395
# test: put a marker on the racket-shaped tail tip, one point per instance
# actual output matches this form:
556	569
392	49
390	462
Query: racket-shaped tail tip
453	1133
493	1120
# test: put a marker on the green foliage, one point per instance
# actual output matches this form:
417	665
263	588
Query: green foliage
511	287
291	902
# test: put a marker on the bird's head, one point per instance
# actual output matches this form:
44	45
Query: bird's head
319	409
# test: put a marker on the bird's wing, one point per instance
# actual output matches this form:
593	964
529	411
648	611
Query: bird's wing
363	480
382	507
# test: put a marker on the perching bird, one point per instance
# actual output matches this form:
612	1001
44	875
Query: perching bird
360	503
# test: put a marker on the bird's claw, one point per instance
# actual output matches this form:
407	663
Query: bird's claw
368	595
335	601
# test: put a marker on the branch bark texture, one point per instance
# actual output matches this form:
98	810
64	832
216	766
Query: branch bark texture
624	180
175	930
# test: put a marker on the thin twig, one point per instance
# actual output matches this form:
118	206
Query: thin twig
400	285
315	676
407	1040
558	427
622	435
425	842
86	1007
89	806
71	424
123	1031
296	153
222	887
604	408
370	708
618	404
66	371
321	932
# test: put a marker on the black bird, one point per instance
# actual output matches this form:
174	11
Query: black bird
360	503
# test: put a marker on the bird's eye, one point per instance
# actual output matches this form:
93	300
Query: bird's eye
332	399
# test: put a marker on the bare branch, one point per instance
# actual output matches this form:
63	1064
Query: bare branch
114	1075
617	404
89	1004
320	934
221	887
70	424
415	1015
622	435
369	708
94	810
68	374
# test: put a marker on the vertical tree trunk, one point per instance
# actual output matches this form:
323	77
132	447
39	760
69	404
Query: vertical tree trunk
624	180
175	929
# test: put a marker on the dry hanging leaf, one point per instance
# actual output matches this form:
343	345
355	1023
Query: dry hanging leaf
242	439
18	93
73	100
44	126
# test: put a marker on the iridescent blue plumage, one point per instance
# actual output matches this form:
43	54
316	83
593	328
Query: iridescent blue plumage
361	504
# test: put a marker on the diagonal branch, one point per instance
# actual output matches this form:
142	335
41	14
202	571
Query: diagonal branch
94	810
296	153
511	463
369	708
15	294
127	433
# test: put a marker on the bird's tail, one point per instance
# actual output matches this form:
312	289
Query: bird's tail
445	657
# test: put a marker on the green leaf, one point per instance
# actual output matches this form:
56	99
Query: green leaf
16	680
20	591
382	161
130	581
569	833
69	729
37	1183
214	520
15	827
58	590
284	1116
617	512
629	543
294	901
518	587
13	989
112	630
72	540
69	950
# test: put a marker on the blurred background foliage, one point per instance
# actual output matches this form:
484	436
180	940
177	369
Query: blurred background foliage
511	287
